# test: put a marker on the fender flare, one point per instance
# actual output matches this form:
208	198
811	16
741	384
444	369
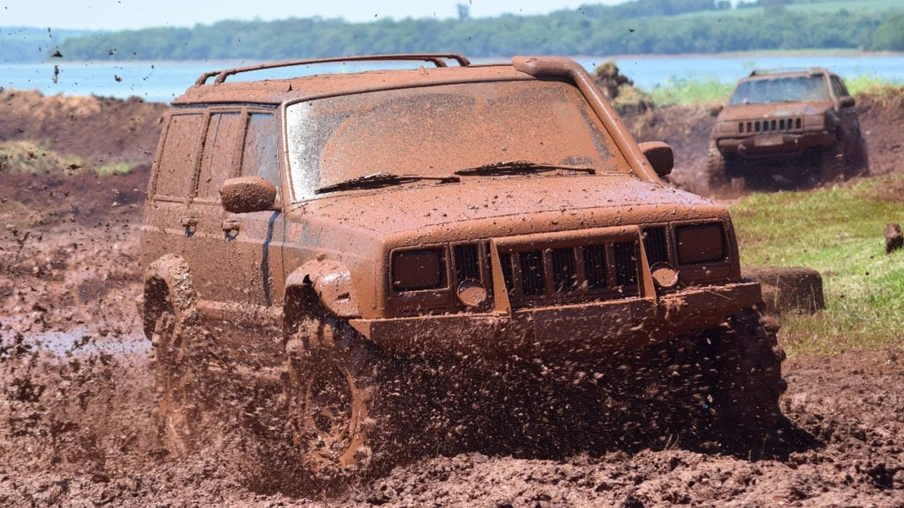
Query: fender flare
330	281
168	282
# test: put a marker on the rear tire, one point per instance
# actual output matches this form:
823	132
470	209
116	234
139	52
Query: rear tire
176	383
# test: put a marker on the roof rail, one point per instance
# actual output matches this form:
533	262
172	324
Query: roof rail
814	71
437	59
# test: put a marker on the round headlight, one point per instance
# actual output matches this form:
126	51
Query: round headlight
471	293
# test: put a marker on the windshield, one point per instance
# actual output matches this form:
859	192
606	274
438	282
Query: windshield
435	131
791	89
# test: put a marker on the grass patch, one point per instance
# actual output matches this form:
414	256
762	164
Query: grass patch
814	7
28	157
686	92
838	232
119	167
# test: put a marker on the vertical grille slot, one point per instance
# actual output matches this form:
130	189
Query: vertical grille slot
797	124
467	262
625	264
563	270
654	242
505	260
595	266
533	279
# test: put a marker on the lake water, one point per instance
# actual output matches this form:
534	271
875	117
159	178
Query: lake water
165	80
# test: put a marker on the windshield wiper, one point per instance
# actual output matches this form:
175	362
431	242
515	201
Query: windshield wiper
520	167
381	179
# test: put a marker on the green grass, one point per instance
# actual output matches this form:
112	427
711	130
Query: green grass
28	157
839	233
830	7
686	91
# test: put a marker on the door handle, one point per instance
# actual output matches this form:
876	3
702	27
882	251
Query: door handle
231	228
190	224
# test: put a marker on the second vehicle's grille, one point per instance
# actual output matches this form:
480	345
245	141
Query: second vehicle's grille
771	125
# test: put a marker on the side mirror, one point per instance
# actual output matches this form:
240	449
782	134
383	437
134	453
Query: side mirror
659	155
715	110
847	101
247	194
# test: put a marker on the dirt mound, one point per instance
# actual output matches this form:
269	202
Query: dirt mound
103	130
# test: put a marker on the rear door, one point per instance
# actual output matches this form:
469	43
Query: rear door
231	256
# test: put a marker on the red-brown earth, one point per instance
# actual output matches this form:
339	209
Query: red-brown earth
77	398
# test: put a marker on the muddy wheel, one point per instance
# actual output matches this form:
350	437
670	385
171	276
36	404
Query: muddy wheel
748	382
175	383
859	164
719	169
832	163
332	386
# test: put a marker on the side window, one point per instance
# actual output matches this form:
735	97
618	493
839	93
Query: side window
259	153
218	160
177	161
838	87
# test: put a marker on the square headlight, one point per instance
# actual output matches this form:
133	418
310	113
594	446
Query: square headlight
419	269
700	244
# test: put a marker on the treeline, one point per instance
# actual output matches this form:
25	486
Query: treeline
638	27
28	44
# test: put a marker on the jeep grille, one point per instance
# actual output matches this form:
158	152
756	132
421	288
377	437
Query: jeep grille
770	125
590	272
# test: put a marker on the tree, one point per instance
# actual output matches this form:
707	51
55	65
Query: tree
890	35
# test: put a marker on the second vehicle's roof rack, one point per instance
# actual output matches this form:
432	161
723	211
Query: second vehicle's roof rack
437	59
814	71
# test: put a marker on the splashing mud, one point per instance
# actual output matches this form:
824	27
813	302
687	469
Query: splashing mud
77	404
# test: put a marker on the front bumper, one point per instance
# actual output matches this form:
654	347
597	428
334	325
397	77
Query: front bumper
774	144
567	331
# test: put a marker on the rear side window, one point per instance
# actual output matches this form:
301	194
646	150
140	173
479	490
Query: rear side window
177	161
838	87
259	153
218	161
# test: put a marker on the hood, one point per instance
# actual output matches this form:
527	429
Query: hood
774	110
413	207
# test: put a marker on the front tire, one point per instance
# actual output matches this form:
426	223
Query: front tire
720	169
748	379
332	387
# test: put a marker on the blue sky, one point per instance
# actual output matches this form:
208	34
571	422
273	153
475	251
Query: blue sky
129	14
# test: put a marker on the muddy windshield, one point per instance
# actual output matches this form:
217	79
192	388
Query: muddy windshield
791	89
436	131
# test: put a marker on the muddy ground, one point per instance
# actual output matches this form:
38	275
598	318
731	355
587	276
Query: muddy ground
76	425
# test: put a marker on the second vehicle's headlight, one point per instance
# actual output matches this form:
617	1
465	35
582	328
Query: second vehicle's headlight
418	269
700	244
815	122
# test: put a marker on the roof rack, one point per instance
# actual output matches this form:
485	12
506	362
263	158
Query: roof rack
437	59
814	71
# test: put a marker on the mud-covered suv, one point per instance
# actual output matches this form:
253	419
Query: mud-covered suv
328	234
797	125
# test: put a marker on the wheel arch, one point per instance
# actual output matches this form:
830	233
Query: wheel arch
319	286
167	286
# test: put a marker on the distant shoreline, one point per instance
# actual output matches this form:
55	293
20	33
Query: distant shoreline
834	53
